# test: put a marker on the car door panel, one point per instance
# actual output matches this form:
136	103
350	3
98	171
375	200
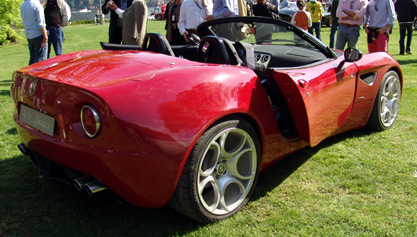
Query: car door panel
320	98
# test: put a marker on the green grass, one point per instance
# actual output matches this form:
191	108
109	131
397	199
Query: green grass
359	183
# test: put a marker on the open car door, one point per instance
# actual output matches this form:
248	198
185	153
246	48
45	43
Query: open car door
320	97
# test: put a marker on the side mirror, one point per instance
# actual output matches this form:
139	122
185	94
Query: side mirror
352	54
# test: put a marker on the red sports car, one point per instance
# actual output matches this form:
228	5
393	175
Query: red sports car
193	125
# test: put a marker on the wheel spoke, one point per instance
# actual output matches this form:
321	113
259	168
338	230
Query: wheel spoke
210	159
209	192
387	87
231	142
232	192
243	164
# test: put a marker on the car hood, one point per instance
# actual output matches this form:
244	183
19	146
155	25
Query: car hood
96	68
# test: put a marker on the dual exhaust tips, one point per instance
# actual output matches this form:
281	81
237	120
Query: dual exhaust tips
90	185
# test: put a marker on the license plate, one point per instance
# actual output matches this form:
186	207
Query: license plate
36	119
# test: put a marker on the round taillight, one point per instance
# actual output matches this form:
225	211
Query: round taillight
90	120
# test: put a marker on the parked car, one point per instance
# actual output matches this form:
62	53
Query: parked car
158	13
287	13
193	125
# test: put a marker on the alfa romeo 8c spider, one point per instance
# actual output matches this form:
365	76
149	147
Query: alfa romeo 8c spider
193	125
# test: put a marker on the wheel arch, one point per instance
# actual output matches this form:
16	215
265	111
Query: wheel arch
399	73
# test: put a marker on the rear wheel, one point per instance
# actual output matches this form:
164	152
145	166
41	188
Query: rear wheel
387	103
220	174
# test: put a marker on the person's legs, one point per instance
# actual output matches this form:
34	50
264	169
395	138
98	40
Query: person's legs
116	37
382	43
341	37
49	43
56	33
37	53
409	27
402	37
310	30
353	36
317	28
332	34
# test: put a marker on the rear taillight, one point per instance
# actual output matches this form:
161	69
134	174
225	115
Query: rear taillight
90	120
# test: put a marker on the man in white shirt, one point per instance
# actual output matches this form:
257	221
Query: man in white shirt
225	8
33	20
192	14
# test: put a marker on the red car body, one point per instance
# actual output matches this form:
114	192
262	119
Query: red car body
154	108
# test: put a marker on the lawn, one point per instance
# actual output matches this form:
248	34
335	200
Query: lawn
359	183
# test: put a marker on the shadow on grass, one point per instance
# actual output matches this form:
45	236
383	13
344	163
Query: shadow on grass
4	92
279	172
12	131
406	62
33	204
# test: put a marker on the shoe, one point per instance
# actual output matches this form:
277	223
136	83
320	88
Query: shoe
401	54
409	52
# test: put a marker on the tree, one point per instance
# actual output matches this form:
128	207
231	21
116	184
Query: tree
10	20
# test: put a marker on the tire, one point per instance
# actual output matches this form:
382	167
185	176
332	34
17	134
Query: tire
387	103
220	174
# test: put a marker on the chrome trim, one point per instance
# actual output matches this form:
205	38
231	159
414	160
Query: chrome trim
96	118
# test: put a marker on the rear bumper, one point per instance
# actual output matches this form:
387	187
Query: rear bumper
141	180
67	175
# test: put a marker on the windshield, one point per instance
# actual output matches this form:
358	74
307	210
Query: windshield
258	33
278	43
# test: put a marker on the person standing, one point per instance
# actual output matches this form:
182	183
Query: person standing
379	19
96	18
406	12
134	21
264	31
334	20
350	14
172	15
301	18
193	12
56	16
31	12
222	9
316	11
115	28
264	8
225	8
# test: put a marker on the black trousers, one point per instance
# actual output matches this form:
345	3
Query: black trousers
406	29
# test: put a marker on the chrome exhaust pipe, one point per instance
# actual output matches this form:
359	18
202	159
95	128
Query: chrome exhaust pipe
24	149
94	187
80	182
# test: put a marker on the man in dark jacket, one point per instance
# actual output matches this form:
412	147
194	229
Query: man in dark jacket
115	29
406	12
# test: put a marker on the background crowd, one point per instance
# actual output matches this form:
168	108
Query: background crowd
43	22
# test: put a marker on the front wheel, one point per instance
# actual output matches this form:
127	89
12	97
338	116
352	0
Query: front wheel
220	173
387	103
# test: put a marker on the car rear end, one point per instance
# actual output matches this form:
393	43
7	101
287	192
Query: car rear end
72	134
